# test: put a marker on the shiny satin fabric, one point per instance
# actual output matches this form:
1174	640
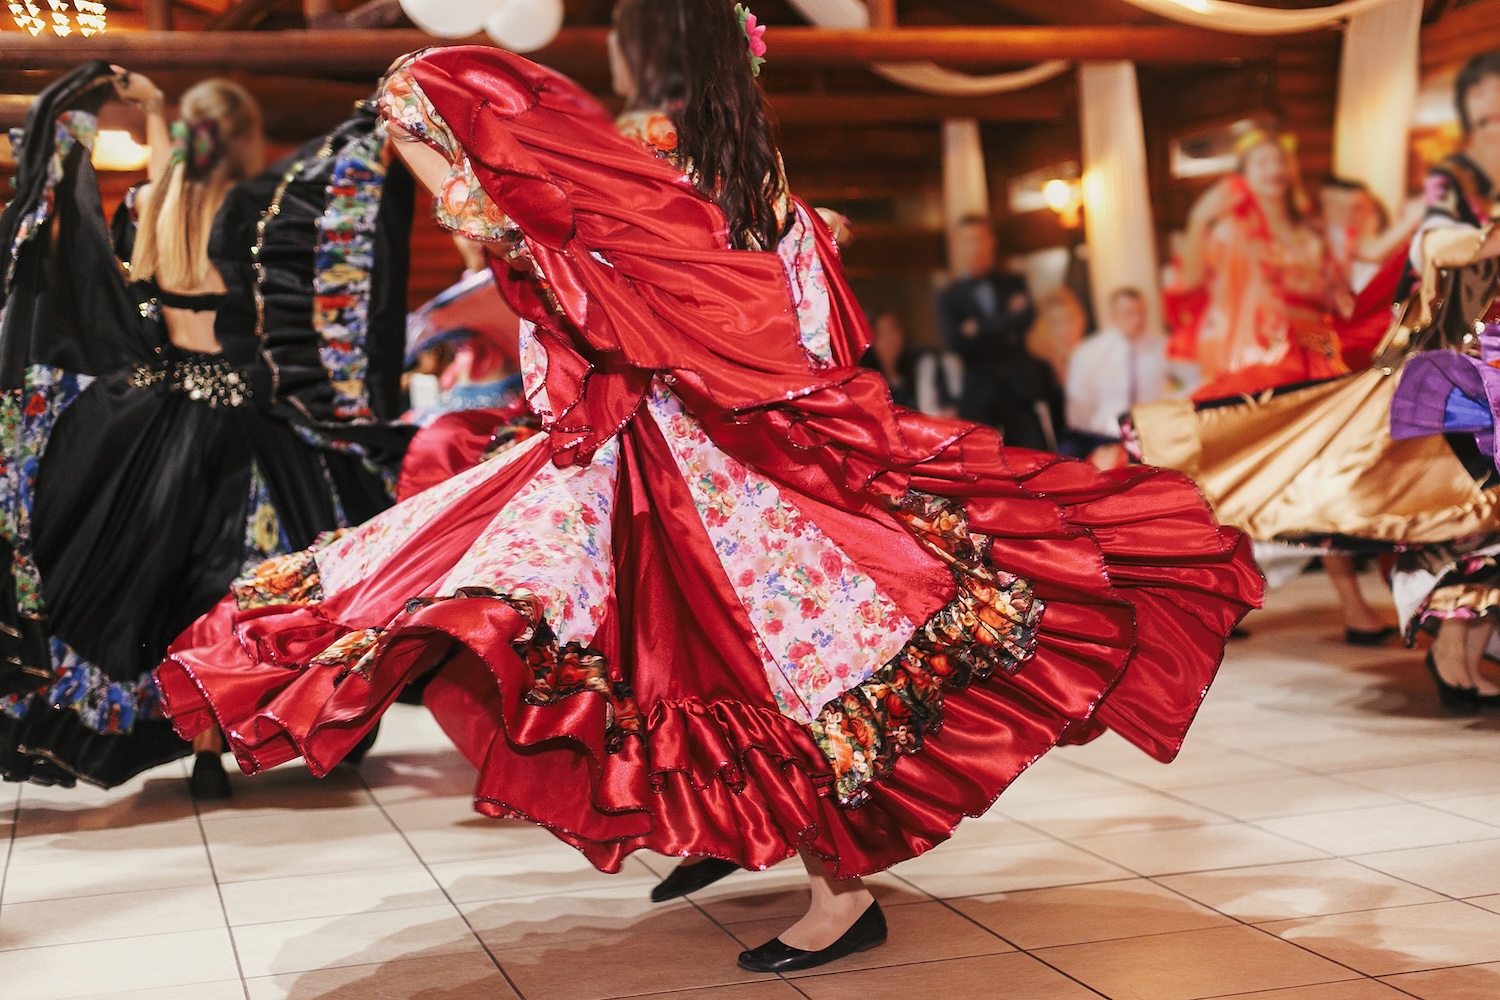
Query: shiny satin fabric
1318	461
1141	584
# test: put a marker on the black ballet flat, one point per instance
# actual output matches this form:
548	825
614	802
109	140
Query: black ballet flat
690	878
773	956
209	782
356	757
1239	633
1455	699
1376	637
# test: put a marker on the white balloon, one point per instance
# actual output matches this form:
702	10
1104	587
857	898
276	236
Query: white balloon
451	18
525	25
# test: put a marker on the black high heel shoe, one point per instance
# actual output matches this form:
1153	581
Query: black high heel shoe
1453	697
690	878
209	783
773	956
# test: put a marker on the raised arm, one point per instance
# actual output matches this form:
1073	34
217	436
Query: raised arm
140	91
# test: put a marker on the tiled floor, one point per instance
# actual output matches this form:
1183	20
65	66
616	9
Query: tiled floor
1326	835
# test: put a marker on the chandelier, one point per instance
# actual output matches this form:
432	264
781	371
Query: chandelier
87	17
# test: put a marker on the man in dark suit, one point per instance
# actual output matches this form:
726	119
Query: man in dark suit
984	316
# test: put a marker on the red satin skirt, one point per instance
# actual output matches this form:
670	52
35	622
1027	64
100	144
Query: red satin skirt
636	683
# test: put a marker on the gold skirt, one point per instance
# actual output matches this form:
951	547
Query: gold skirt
1317	462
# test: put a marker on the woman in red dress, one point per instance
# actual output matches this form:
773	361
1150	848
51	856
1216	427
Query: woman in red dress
729	601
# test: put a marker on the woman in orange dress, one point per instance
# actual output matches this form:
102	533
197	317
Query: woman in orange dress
1270	290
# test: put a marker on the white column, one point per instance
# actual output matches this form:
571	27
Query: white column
966	188
1116	191
1377	97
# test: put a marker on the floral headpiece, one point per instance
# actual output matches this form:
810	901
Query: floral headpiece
198	146
755	37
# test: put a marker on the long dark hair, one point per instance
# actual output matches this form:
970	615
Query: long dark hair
690	59
1484	65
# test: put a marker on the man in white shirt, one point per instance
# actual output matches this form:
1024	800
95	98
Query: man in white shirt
1121	366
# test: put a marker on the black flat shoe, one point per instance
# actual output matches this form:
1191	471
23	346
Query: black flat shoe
690	878
1239	633
356	757
1378	637
1455	699
773	956
209	783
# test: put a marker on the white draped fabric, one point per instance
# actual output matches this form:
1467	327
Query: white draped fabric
1245	19
1116	194
927	77
1378	80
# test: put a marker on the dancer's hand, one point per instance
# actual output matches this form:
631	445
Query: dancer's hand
137	89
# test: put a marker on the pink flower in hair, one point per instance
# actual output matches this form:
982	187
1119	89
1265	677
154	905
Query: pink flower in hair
755	37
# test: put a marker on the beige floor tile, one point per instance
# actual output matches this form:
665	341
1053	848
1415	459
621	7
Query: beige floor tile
1474	982
1278	729
120	871
86	845
1384	828
950	872
1453	869
1358	989
447	828
1010	975
1253	800
1359	754
1399	939
563	921
1433	781
316	841
229	989
782	892
680	949
1206	848
145	801
416	776
1200	763
1043	918
1192	964
98	918
1136	811
469	976
921	932
558	869
1302	889
773	990
289	790
356	939
1485	808
1061	781
110	968
301	897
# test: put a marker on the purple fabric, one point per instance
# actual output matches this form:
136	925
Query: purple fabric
1421	404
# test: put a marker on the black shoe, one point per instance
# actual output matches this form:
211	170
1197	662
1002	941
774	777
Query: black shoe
690	878
356	757
1454	698
1239	633
1377	637
773	956
209	783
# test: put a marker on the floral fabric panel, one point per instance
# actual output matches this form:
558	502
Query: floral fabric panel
264	535
824	627
804	270
534	373
360	552
72	128
104	705
345	256
27	416
551	545
991	624
462	204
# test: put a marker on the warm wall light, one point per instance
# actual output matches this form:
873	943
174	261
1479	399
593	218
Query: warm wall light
1058	194
115	149
1064	198
87	17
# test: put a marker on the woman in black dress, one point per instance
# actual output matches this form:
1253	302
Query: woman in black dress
222	398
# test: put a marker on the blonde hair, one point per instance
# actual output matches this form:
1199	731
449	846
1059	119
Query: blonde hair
171	245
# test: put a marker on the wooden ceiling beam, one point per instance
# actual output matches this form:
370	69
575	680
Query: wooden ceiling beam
369	52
